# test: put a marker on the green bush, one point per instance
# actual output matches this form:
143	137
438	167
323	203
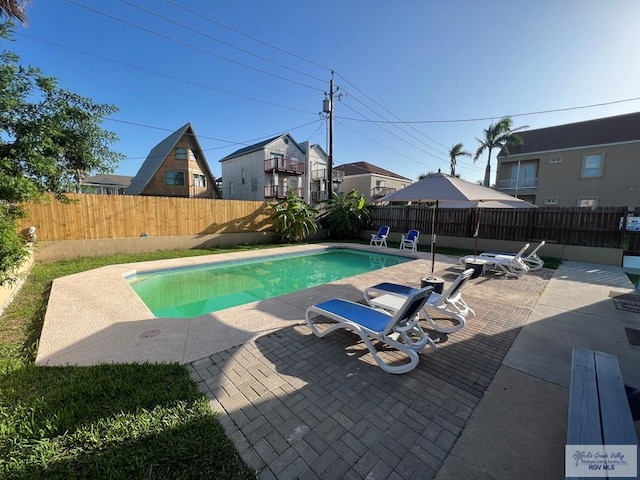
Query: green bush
294	219
347	215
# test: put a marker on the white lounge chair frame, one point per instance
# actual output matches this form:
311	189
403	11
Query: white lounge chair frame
400	331
449	304
380	239
410	240
531	259
511	265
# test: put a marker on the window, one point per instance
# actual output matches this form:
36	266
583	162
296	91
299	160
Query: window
232	188
588	202
551	201
243	176
198	180
181	153
592	166
554	160
523	175
381	183
193	155
254	184
174	178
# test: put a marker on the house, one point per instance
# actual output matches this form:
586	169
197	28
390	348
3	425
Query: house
269	169
176	167
371	181
105	184
595	163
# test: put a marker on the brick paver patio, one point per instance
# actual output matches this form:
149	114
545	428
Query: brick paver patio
297	406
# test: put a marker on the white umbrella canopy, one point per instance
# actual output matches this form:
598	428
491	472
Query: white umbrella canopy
439	187
452	192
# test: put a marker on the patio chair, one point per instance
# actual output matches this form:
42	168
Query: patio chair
410	240
448	304
532	260
400	331
379	239
507	263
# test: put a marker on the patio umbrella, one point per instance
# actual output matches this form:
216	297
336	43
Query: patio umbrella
453	192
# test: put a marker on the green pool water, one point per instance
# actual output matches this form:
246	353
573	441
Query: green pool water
193	291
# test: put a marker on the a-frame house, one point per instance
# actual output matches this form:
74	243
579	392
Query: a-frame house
176	167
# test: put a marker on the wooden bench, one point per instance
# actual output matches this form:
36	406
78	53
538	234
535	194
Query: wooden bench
599	412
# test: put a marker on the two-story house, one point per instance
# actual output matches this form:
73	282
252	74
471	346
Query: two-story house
269	169
176	167
595	163
369	180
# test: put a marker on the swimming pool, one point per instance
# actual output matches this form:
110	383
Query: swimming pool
191	291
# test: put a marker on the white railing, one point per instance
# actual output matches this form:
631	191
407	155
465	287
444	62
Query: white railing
518	184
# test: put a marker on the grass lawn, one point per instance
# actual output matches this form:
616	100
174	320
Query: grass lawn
141	421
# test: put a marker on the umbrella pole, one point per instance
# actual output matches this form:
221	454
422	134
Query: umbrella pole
433	239
475	245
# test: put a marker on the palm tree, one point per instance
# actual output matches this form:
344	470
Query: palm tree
498	135
455	152
13	8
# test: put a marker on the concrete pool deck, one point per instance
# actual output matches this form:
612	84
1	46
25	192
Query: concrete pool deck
490	403
95	316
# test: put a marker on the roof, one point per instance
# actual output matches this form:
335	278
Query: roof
601	131
108	180
157	156
363	168
258	146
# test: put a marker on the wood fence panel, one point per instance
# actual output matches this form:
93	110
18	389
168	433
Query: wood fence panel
118	216
599	227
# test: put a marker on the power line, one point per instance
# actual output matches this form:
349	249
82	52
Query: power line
230	143
180	42
389	111
160	74
191	29
209	19
381	144
539	112
388	131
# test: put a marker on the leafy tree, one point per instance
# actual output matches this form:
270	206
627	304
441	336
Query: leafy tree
347	215
294	219
456	151
48	136
498	135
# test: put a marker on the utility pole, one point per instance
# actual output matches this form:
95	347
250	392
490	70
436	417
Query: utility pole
329	110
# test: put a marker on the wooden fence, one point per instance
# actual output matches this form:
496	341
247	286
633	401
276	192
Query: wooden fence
89	217
598	227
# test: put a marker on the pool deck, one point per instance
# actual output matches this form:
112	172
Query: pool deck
490	403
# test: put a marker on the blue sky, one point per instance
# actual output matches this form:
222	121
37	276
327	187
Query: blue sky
242	71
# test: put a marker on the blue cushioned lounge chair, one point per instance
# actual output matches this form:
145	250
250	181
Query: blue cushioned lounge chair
379	239
448	304
400	331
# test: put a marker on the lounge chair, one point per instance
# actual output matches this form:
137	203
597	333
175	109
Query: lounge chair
508	263
531	259
400	331
410	240
449	304
379	239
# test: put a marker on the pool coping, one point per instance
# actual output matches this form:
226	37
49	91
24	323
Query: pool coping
95	317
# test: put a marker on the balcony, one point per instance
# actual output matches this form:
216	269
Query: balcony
280	191
377	192
284	165
317	197
518	184
321	174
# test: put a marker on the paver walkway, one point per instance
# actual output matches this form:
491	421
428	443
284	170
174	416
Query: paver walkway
297	406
